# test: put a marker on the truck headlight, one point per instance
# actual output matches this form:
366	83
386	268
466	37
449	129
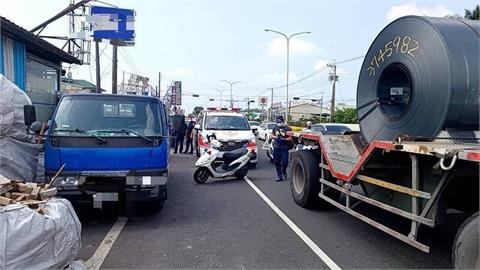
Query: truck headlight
69	181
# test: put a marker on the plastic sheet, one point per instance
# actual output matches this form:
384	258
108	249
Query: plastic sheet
29	240
18	155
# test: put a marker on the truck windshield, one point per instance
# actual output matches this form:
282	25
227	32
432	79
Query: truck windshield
224	122
106	116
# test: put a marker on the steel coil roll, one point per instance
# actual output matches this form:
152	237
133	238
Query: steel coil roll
420	75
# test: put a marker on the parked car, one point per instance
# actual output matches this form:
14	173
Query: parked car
265	130
231	129
255	126
330	129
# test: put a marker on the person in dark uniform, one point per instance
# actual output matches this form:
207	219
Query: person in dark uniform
180	128
189	143
281	144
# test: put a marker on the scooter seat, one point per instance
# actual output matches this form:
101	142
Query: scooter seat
234	154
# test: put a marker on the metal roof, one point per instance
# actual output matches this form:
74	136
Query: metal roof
109	96
36	45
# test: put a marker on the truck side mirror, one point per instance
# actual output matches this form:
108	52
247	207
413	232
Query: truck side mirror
197	126
29	114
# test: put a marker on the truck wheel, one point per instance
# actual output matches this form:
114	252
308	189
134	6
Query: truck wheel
156	205
201	175
465	251
305	175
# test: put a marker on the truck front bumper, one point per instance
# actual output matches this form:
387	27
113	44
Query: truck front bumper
112	186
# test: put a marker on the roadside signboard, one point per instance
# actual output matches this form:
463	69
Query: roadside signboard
178	88
114	24
263	100
173	95
176	93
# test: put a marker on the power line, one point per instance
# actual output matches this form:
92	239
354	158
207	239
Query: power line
318	71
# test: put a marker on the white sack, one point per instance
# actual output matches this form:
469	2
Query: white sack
29	240
18	155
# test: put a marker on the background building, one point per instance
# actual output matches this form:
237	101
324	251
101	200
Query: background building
304	110
33	64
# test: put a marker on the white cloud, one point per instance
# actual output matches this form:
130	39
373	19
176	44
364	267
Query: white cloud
320	64
278	46
179	72
411	8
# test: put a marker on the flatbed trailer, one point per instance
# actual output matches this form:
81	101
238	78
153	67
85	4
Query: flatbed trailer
416	180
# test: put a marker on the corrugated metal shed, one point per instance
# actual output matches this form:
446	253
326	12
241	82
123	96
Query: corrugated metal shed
34	44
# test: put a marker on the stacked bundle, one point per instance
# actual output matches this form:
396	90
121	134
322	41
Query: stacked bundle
31	194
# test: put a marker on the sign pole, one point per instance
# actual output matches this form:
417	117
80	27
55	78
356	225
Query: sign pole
97	66
114	69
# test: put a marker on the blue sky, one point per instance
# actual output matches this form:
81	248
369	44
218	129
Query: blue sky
204	42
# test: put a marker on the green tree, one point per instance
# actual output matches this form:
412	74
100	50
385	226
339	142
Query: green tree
197	110
473	14
346	116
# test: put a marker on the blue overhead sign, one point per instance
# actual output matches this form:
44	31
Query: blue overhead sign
114	24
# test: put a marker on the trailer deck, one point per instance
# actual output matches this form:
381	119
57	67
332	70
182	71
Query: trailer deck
344	159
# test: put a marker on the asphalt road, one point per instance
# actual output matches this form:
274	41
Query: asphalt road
226	224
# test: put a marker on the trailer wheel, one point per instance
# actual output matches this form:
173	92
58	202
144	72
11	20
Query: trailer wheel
305	175
465	251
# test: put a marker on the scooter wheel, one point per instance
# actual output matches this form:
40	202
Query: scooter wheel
240	174
201	175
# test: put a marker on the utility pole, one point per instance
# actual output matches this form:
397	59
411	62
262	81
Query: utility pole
248	106
321	107
271	105
114	69
123	81
97	66
289	104
159	84
333	77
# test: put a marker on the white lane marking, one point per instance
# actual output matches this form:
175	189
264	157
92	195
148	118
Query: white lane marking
95	262
324	257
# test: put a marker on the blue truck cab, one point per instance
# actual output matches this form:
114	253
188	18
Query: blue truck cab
111	147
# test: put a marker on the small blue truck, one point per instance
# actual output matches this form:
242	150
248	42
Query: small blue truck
111	147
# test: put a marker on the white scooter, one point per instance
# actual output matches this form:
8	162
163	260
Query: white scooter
268	147
213	164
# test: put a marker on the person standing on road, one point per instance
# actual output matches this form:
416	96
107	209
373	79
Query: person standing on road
281	145
189	143
180	133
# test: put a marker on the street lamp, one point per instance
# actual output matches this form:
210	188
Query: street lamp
288	56
221	95
231	92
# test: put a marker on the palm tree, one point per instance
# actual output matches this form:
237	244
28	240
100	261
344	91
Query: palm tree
473	14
